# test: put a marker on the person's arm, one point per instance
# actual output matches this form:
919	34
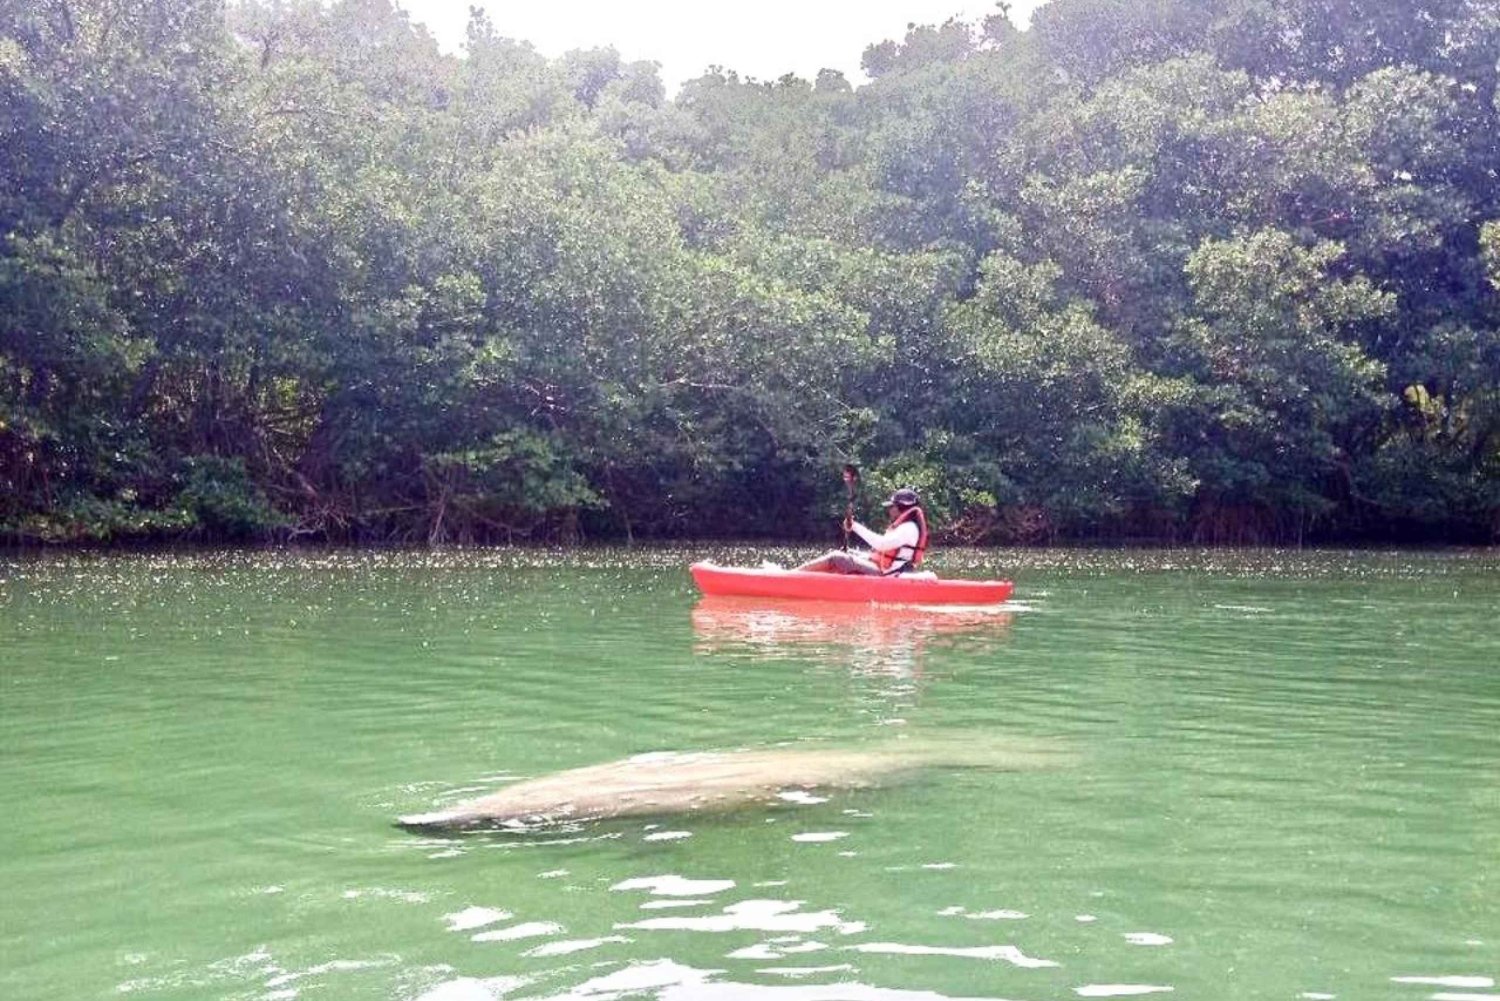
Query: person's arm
904	534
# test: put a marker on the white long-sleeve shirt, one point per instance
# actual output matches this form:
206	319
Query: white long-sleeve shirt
905	534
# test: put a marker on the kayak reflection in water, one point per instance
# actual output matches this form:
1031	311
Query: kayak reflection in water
897	551
882	641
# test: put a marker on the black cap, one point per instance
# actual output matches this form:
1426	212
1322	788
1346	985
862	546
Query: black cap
905	497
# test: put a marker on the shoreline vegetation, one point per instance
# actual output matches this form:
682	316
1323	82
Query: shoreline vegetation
1195	273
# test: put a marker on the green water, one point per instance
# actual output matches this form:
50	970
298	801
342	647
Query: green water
1282	780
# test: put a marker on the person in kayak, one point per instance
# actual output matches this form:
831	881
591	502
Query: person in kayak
901	548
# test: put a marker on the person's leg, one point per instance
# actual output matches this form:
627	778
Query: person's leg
823	564
857	564
837	561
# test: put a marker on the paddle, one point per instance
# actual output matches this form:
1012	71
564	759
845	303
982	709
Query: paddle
851	483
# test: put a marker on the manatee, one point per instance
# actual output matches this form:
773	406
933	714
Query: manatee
674	782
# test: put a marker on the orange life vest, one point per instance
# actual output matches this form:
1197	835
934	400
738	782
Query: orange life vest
904	558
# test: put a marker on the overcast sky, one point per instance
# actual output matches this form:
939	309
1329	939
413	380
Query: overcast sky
762	38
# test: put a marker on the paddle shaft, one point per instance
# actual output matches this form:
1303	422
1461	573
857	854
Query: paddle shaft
851	479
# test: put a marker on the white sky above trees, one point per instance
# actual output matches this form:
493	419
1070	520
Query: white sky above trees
764	39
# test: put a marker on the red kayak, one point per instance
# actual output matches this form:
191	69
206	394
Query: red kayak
905	589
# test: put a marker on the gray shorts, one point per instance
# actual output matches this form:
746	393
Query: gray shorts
849	563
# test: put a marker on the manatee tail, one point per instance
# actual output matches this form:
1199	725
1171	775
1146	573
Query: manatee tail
978	749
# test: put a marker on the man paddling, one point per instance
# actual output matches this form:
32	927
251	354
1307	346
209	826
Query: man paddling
898	550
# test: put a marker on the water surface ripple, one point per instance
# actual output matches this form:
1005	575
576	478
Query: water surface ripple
1276	778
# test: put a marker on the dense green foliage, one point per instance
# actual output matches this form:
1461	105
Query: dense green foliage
1210	270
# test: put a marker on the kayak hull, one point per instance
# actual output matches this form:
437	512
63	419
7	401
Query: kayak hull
749	582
